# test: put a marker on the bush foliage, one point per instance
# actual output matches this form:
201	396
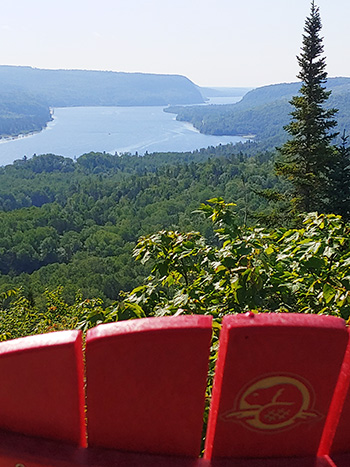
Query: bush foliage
239	269
300	270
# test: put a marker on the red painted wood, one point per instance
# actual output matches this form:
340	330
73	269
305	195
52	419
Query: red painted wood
41	390
275	377
17	450
330	461
146	384
274	462
338	422
107	458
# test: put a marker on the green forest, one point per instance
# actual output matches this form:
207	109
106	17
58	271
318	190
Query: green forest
70	232
73	226
77	222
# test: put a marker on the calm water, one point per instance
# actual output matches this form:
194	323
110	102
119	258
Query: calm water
78	130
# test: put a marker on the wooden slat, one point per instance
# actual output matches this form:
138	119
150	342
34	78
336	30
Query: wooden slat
107	458
19	450
274	382
41	390
274	462
336	439
146	384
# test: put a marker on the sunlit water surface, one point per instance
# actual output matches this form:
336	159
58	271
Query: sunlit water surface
79	130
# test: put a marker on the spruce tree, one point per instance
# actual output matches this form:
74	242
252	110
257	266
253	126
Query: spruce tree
307	156
339	181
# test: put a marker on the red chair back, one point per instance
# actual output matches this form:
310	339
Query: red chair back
146	382
274	382
42	386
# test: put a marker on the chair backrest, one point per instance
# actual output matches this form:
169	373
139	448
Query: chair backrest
146	382
42	386
274	382
338	423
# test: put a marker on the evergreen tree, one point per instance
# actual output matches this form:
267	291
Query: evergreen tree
339	180
307	156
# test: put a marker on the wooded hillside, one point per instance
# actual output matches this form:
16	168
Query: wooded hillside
22	113
262	112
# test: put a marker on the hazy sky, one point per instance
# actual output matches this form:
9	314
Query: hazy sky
216	42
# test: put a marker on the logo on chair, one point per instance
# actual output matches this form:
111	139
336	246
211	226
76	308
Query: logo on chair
274	403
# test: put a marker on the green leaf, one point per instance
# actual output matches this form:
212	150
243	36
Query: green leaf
315	262
328	292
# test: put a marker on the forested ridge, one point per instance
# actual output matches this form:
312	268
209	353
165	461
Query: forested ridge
262	112
66	88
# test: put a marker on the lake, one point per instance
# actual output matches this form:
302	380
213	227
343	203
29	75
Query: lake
79	130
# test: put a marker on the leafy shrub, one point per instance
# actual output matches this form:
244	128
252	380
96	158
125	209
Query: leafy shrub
301	270
20	317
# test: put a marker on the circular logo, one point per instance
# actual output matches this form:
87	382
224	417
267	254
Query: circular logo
274	403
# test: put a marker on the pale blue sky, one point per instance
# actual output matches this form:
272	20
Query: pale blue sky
216	42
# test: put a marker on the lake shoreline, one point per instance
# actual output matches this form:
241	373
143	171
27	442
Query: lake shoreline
5	139
80	130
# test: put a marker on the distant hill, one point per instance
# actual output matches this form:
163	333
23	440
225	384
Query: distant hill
262	112
26	94
67	88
